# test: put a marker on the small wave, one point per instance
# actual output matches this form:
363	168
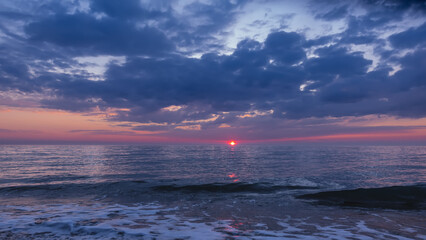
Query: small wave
25	188
229	187
396	197
142	187
76	189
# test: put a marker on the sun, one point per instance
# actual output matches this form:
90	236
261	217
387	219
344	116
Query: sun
232	143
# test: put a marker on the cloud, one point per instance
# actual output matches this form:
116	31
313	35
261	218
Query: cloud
6	130
108	132
410	38
334	14
12	72
285	47
396	5
335	60
98	36
129	9
256	77
285	76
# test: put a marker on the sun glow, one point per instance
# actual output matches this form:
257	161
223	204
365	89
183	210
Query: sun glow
234	177
232	143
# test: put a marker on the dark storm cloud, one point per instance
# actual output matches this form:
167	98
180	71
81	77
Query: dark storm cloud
337	61
413	71
239	82
228	83
410	38
269	79
130	27
98	36
203	23
129	9
397	5
285	47
12	72
208	85
361	28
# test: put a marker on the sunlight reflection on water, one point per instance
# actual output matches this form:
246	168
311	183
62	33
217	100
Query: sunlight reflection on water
350	166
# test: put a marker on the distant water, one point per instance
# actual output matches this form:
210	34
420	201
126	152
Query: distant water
212	192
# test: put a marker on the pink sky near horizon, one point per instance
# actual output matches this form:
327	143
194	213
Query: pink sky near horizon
35	125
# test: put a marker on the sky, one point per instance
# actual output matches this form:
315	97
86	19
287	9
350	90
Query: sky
141	71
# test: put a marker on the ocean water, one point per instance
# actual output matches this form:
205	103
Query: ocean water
212	192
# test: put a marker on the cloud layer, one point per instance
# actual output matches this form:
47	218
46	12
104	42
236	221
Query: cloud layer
179	75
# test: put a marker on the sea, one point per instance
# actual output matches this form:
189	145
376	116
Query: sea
246	191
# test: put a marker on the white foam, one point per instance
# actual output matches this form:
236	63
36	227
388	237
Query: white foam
301	182
102	221
420	236
408	229
380	235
